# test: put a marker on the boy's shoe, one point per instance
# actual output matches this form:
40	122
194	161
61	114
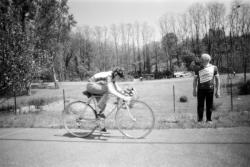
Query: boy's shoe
200	123
210	122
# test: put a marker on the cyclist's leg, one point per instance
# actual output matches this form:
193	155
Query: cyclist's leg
102	102
102	90
99	89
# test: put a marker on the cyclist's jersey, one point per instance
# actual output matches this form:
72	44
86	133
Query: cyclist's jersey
206	76
102	76
108	82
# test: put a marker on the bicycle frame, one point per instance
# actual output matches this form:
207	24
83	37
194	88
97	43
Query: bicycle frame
119	104
97	122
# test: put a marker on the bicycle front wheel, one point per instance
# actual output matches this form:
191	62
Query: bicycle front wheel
79	119
135	120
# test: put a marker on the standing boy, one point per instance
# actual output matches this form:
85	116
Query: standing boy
203	87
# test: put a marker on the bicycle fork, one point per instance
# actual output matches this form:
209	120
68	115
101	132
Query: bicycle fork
129	113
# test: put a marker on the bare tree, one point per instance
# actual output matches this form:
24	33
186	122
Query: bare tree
133	63
115	35
138	44
147	34
87	46
156	48
129	33
196	12
182	30
164	23
215	33
244	30
104	48
101	37
233	22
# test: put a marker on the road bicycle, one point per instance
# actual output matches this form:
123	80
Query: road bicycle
134	119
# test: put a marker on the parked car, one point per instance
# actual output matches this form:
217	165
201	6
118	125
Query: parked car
182	74
179	74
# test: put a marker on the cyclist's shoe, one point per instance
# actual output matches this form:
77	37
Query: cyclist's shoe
101	115
103	130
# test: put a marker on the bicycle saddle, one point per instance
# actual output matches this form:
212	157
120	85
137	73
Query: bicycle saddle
88	94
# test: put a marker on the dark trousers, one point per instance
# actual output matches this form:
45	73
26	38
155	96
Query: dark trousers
202	96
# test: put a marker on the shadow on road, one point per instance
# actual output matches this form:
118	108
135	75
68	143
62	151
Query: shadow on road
96	136
90	137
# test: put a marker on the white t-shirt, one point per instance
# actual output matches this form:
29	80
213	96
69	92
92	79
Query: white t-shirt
101	76
206	76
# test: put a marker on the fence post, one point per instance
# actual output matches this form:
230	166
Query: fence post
174	97
15	101
231	85
63	99
230	77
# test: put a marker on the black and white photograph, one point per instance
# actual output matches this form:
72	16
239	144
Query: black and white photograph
124	83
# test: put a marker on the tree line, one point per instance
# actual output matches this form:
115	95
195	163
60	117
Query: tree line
37	42
204	27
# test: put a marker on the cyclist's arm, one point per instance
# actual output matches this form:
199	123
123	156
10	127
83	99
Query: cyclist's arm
117	87
113	91
92	79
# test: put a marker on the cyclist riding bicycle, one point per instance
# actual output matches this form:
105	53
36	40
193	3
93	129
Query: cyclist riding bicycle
82	118
103	84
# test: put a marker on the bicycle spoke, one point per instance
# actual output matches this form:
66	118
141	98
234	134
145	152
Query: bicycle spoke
135	121
79	119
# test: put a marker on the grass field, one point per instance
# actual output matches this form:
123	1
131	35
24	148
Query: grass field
156	93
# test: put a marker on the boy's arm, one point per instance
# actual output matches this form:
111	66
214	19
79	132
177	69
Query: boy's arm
217	83
195	85
217	86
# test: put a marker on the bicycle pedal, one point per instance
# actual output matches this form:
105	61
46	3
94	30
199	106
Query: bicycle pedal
78	125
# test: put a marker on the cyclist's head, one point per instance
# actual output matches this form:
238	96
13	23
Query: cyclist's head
118	71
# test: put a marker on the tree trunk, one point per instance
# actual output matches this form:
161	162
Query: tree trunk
156	62
245	69
55	79
28	89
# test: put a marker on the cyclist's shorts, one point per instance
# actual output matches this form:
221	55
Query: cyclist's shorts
95	88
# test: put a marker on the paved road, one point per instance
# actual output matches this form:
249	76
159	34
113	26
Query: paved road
173	147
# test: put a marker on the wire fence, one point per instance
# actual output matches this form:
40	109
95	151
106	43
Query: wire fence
163	94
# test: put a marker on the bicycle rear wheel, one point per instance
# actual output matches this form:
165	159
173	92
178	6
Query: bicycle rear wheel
135	120
79	119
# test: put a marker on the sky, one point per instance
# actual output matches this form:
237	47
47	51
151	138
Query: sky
108	12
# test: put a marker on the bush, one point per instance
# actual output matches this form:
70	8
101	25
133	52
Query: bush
183	99
7	108
37	102
244	88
